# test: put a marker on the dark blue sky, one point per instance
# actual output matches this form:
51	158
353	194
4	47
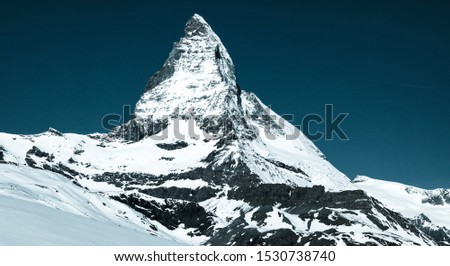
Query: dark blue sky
66	65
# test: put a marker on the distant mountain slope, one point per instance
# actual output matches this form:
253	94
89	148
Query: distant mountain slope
427	209
408	200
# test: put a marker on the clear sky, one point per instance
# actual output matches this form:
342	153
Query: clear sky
65	64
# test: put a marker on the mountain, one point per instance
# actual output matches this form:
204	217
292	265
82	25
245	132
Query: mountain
204	162
197	86
426	208
408	200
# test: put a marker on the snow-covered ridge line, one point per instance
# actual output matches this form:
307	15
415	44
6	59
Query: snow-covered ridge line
409	200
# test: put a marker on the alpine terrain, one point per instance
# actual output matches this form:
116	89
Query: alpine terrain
202	162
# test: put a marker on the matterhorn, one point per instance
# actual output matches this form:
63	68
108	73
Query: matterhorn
204	162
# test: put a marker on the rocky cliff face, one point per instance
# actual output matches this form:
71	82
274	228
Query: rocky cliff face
440	234
209	163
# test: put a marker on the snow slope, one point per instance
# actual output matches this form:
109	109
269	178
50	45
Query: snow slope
408	200
27	223
32	199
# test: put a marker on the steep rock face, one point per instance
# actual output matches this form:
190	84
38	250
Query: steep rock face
299	216
209	163
196	81
198	77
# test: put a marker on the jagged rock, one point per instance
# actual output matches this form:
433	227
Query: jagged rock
2	156
55	132
194	195
172	146
167	158
172	213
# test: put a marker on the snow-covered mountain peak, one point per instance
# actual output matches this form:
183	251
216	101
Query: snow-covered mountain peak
197	25
198	34
197	77
195	94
